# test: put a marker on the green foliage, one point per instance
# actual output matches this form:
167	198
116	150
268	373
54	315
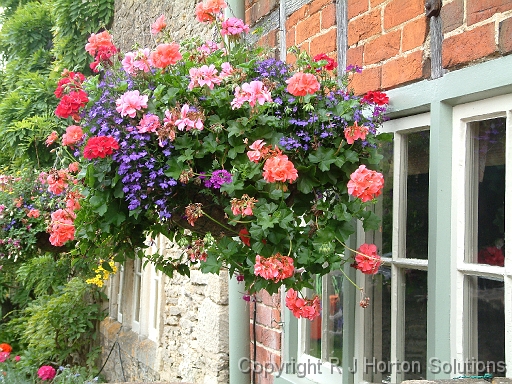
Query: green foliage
58	327
75	20
27	31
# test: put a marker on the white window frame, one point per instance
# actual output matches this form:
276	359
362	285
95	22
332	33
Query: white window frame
154	304
398	262
500	106
138	284
120	289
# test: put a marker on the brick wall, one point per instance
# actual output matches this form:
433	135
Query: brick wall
268	336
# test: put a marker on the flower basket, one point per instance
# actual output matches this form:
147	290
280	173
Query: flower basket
245	161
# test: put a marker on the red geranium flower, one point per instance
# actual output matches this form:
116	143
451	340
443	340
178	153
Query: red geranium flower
376	97
100	146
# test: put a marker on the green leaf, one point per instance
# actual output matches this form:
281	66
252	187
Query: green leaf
324	157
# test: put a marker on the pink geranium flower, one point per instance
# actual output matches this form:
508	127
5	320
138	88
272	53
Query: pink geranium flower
148	123
365	184
302	308
130	103
279	168
134	61
165	55
158	25
46	372
61	228
254	93
355	132
51	138
256	154
206	75
186	122
367	260
98	40
73	135
302	84
207	9
275	268
233	27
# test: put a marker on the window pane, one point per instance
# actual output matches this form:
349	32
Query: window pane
335	315
487	192
486	333
384	207
415	324
378	326
417	194
314	327
325	333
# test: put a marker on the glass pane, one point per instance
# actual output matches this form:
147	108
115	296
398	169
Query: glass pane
417	194
324	338
335	315
415	325
486	333
378	327
384	208
488	175
314	327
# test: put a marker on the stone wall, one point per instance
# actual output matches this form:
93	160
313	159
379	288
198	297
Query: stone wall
193	343
195	333
133	19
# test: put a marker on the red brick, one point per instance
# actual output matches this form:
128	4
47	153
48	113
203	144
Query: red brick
290	37
505	36
414	34
374	3
356	7
267	299
382	48
308	27
268	40
355	56
402	70
265	7
469	46
364	27
399	11
318	5
270	338
368	80
452	15
478	10
325	43
328	17
267	316
297	16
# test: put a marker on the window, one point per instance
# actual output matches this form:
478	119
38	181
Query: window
395	331
483	275
120	306
136	297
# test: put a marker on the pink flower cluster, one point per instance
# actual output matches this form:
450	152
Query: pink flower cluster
62	227
275	268
233	27
72	136
46	372
355	132
158	25
254	93
302	308
57	181
131	102
148	123
277	167
243	206
137	61
367	260
302	84
101	47
205	75
208	10
365	184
